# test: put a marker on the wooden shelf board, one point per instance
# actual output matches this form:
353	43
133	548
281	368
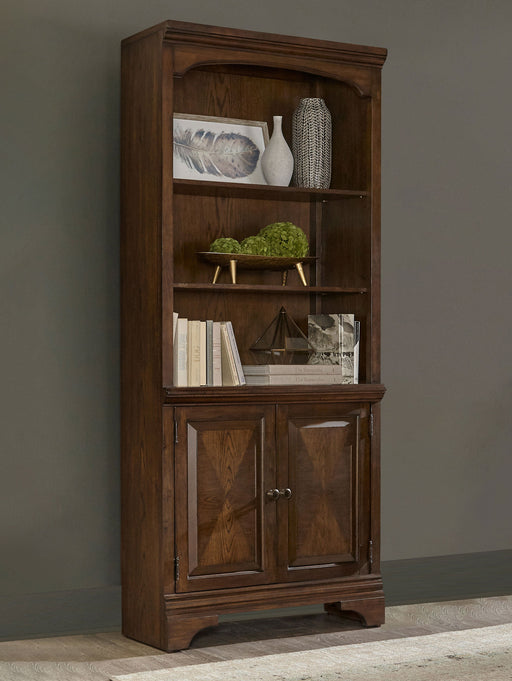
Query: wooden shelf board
267	288
259	191
367	392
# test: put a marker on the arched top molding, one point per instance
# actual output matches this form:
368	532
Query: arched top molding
196	45
359	85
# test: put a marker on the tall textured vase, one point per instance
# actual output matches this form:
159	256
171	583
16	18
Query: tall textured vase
312	144
277	159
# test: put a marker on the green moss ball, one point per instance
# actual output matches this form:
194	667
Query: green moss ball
255	245
285	239
225	245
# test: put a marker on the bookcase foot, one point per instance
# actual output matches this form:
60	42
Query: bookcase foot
181	630
370	611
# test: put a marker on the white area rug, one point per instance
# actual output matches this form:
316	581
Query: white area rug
469	655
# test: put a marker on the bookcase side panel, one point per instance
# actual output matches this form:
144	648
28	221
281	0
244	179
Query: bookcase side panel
168	275
141	328
376	229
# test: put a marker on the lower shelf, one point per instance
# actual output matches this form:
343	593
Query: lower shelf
268	288
362	392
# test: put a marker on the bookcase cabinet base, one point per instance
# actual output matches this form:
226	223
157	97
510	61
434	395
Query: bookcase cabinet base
370	611
186	616
182	629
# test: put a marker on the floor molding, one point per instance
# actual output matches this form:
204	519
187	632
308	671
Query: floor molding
60	613
444	578
413	580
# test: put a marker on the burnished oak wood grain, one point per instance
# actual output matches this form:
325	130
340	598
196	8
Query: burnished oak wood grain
319	461
369	611
141	340
225	462
310	394
200	534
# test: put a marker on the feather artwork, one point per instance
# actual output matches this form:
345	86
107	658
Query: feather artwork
223	154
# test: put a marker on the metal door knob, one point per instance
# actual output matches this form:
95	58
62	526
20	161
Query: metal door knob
286	493
273	494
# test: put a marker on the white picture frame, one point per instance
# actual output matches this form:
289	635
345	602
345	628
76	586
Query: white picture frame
218	149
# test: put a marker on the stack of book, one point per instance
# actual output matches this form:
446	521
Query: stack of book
205	354
292	374
335	360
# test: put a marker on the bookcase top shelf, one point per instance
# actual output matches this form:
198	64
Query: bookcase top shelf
260	191
267	288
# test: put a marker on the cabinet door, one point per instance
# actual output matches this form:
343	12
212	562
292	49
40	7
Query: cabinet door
323	459
225	460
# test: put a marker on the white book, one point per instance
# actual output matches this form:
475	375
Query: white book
174	325
290	369
209	352
297	379
216	355
348	335
235	353
181	353
357	340
202	353
229	372
194	353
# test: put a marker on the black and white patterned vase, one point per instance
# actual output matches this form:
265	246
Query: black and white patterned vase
312	144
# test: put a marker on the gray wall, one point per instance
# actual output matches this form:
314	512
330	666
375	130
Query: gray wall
447	293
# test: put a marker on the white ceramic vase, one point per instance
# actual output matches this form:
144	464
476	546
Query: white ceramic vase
277	159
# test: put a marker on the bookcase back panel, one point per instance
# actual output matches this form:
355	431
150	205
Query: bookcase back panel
258	94
351	134
250	313
345	243
199	222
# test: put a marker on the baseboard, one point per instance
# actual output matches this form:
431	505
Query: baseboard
446	578
60	613
429	580
414	580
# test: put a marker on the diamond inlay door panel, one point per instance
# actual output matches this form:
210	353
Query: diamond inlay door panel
322	515
224	458
320	454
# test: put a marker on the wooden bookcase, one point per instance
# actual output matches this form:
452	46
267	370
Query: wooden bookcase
200	534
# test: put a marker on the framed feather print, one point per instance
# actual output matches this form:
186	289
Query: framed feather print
218	149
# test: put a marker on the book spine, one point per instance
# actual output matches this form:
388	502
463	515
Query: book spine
194	353
209	352
290	369
357	340
235	353
181	353
302	379
174	326
229	372
216	355
202	353
347	347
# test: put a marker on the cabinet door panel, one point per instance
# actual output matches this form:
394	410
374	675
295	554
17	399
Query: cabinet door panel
321	459
224	460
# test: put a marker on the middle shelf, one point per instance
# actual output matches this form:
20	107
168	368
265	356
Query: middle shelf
268	288
262	191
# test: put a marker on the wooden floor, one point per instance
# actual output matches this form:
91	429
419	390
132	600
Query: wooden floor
96	657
